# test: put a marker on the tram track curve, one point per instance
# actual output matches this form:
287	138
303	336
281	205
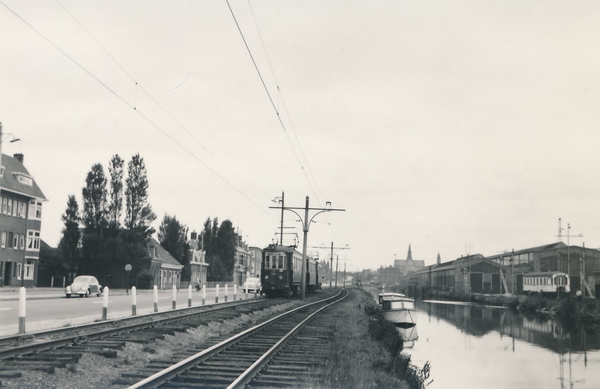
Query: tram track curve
236	361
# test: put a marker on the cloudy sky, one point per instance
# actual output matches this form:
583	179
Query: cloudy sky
454	126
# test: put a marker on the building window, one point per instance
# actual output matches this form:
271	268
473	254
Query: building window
35	209
25	180
21	212
22	241
33	240
4	205
3	242
9	209
15	241
14	213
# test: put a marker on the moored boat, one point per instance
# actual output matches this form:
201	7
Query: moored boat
397	309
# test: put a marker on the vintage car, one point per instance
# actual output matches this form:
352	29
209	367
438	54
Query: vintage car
252	285
84	286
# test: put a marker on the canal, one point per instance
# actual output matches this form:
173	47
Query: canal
483	347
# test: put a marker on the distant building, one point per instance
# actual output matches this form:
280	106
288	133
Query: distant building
241	264
409	265
20	223
197	256
163	266
255	262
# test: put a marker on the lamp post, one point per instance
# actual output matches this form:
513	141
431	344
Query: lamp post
305	226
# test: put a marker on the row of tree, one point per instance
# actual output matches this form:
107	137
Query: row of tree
112	228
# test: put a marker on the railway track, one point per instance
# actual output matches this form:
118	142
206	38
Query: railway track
47	350
280	352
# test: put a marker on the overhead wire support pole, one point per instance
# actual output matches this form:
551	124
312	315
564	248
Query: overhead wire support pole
331	259
305	226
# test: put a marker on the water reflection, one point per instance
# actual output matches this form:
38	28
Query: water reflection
515	334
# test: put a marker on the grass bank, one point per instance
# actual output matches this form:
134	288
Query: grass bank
367	350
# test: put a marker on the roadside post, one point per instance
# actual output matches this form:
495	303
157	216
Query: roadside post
127	270
204	294
217	294
226	292
155	298
174	296
245	294
234	292
22	309
189	295
105	303
133	301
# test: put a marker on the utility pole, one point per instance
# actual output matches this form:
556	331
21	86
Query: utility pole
331	259
281	227
306	224
337	259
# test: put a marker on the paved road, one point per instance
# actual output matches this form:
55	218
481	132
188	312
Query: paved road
46	313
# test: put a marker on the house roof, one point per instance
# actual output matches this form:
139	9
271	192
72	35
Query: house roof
163	255
9	181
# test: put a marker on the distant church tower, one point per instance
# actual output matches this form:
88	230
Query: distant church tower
439	260
409	257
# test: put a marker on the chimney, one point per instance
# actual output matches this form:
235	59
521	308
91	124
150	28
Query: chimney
19	157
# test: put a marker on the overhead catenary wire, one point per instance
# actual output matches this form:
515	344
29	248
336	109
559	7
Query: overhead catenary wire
138	86
134	108
280	96
269	96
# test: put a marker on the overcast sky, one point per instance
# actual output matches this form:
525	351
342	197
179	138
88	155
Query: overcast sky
454	126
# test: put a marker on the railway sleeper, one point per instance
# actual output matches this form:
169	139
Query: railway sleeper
48	357
10	374
42	368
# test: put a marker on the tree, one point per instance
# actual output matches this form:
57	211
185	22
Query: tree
94	200
71	235
115	207
138	213
220	252
172	235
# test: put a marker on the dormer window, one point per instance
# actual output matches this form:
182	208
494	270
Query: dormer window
23	179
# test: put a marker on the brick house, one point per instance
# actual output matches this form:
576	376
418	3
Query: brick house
20	223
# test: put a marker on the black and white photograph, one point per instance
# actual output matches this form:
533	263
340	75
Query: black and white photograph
299	194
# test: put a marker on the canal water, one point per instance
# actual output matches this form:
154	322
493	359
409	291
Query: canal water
484	347
471	346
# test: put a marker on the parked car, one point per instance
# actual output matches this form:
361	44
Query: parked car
84	286
252	285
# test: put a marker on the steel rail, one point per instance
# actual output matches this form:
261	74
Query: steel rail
84	332
257	366
171	372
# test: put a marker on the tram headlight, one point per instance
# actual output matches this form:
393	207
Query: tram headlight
281	277
266	277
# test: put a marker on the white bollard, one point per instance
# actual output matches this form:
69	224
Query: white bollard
246	294
226	292
203	294
174	297
155	298
189	295
234	291
105	303
133	301
22	309
217	293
